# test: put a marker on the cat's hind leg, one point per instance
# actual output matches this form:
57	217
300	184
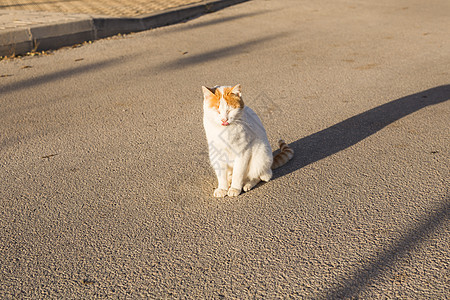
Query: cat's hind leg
266	176
250	184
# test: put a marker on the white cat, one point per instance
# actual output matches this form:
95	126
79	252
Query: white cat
239	150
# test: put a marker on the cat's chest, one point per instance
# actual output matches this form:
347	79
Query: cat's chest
233	140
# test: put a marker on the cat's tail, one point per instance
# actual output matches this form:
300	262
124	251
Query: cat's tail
285	155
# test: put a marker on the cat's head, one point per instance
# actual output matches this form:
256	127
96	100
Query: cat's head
223	104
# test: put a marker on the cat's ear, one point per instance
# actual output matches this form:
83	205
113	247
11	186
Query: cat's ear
236	90
207	92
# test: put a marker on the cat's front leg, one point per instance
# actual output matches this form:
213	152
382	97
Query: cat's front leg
239	169
221	173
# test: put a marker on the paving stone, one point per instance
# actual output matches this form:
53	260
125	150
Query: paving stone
115	8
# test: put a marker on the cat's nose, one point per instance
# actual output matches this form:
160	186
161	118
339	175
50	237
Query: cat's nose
225	122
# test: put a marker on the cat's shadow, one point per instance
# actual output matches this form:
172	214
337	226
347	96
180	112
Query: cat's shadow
347	133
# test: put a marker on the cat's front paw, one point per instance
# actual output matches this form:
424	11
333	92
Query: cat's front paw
220	193
232	192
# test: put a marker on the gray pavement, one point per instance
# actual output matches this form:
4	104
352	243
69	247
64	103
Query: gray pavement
106	189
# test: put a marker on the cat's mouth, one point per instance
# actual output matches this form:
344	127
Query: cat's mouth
225	123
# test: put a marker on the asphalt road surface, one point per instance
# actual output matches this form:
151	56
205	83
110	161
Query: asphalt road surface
106	188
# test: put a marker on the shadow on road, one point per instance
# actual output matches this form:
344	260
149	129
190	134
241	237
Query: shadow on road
195	59
353	130
59	75
347	133
349	287
11	106
215	21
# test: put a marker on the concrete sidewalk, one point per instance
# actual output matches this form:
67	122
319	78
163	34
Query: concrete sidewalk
42	25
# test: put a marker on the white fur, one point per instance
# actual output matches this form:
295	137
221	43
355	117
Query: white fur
241	148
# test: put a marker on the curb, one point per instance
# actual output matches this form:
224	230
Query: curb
86	28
